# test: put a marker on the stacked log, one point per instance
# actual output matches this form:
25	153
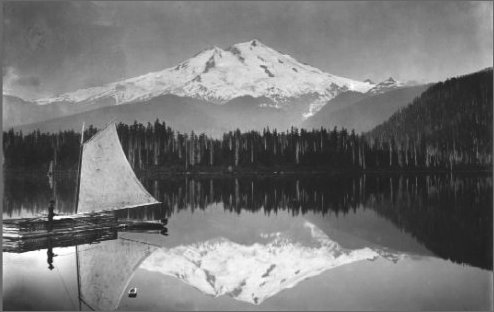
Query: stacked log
41	227
79	238
21	235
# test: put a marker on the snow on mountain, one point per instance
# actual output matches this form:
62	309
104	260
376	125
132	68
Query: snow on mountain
369	81
253	273
385	86
216	75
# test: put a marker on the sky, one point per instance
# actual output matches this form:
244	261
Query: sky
55	47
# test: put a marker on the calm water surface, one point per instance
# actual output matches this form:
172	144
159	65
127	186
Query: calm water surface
369	242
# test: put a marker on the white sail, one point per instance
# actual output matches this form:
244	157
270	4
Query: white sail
107	182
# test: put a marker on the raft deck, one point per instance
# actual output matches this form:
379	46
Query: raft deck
26	228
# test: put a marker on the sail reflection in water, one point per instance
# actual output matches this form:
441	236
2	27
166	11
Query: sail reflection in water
105	270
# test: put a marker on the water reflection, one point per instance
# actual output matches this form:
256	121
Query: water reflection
450	215
30	195
256	272
261	242
50	255
105	270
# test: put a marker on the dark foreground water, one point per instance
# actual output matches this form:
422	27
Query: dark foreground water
370	242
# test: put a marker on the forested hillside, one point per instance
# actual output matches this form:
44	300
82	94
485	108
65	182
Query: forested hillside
451	119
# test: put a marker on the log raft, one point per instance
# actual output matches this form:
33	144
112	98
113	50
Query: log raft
29	228
20	245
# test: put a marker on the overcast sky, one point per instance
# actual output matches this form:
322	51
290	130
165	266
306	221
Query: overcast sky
56	47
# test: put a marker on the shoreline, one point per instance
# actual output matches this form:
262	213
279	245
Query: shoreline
258	172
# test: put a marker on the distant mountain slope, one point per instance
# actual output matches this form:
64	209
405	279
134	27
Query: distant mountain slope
17	111
182	113
367	110
343	100
454	116
215	75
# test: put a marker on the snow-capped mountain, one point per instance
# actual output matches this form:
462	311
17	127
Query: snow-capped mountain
369	81
219	75
385	86
253	273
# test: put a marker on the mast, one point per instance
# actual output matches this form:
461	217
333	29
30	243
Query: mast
52	171
76	204
78	276
79	170
79	282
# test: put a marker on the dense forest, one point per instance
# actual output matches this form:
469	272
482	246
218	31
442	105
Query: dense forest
157	146
453	119
448	127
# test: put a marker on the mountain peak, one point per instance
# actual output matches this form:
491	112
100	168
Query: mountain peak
219	75
211	51
251	44
255	42
386	85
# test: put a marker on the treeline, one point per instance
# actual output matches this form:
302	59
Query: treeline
451	123
156	146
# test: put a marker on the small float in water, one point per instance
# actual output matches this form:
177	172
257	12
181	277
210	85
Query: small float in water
133	292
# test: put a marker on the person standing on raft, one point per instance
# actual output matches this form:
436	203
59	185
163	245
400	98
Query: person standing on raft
51	209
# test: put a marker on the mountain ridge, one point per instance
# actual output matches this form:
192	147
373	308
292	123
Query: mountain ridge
182	113
217	75
362	112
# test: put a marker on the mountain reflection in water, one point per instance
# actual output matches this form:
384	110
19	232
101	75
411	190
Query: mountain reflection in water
219	266
267	243
450	215
253	273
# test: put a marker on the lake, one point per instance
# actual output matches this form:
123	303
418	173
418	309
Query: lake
281	242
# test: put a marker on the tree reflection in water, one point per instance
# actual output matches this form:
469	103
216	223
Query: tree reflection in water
450	214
